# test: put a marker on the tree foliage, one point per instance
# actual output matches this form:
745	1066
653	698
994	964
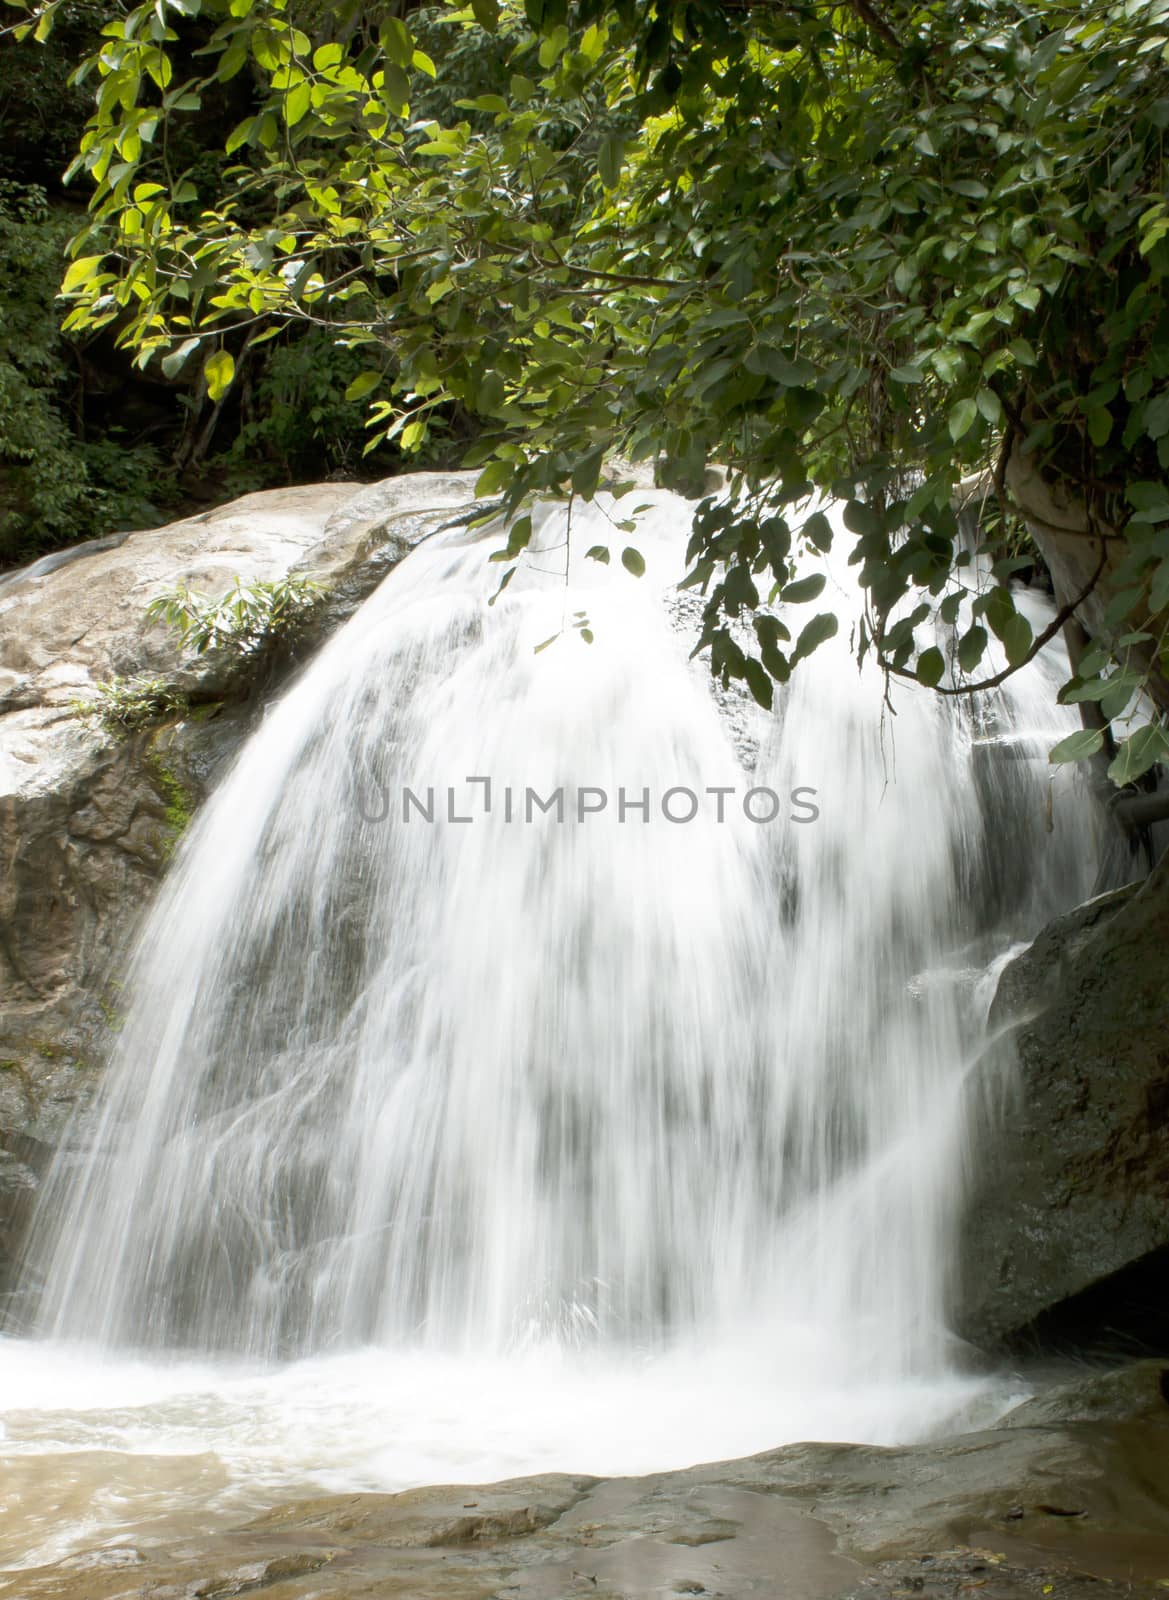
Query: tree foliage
56	484
863	251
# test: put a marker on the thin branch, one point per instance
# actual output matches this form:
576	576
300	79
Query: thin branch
1037	645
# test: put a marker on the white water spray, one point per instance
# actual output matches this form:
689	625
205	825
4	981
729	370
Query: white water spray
619	1085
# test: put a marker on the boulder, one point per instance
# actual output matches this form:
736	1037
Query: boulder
1066	1235
88	820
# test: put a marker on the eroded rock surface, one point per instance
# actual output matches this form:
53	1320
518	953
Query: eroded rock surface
87	820
1053	1504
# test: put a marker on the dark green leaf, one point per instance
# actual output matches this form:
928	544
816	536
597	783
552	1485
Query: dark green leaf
758	682
971	647
610	157
1140	751
822	626
803	590
931	665
1079	745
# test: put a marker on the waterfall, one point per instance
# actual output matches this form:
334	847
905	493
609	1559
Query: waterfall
666	1040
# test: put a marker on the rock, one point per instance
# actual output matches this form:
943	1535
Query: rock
425	1518
1066	1236
1067	1510
88	821
1135	1393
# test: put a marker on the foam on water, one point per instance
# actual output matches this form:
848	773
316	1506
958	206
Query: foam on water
97	1448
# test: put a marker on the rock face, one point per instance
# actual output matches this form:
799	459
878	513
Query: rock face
88	820
1069	1499
1066	1240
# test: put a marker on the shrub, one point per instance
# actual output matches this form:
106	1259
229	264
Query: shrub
123	705
245	620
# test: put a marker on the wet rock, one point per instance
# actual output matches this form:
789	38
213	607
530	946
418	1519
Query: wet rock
423	1518
1033	1509
1135	1393
1072	1185
88	822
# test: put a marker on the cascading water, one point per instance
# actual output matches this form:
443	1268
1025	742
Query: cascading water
655	1088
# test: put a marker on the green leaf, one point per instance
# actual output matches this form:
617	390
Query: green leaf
822	626
551	46
80	272
519	536
586	473
818	530
495	476
633	561
803	590
362	385
610	157
1121	604
791	372
174	361
962	419
297	102
1077	746
1149	500
486	13
931	665
503	583
396	88
1140	751
758	682
239	135
218	371
861	518
1156	416
1159	588
1099	426
1121	688
395	40
971	647
1017	639
598	552
989	406
1094	688
999	609
490	393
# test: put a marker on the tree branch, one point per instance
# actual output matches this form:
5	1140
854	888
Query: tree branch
1049	633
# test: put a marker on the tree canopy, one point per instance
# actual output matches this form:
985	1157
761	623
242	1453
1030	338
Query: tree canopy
892	253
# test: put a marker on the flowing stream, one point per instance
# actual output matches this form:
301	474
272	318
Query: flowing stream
535	1060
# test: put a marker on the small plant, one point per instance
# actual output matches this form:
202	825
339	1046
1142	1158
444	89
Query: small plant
244	620
180	805
124	705
111	1016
